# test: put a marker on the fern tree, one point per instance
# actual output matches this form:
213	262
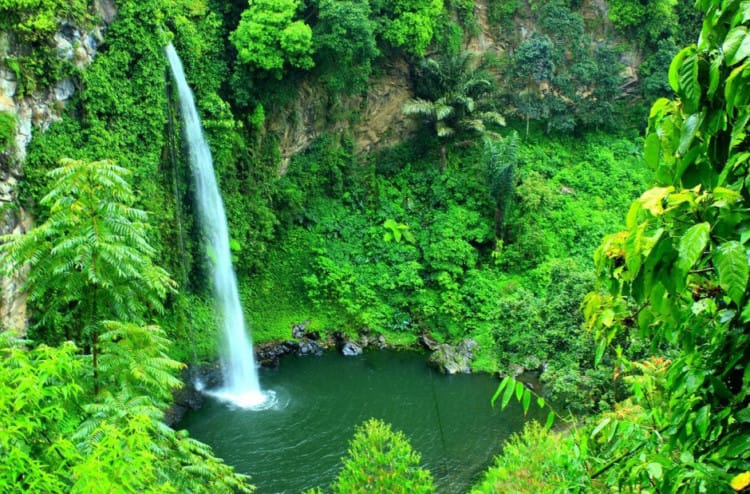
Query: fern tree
678	276
58	438
454	97
123	440
40	396
91	259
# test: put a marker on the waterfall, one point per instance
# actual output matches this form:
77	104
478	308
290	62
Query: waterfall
241	385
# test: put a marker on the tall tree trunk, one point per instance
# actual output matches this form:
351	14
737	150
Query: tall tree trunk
95	355
498	222
94	338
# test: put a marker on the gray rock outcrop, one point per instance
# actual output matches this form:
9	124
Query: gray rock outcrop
454	359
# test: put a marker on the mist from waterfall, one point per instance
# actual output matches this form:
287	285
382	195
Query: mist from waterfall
241	386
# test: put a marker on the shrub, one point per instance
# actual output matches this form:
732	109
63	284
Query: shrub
536	461
380	460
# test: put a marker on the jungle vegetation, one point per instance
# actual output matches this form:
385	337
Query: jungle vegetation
481	222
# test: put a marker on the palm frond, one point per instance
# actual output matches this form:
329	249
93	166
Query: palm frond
419	107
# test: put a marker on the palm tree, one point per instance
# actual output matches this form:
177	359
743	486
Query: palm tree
501	160
453	97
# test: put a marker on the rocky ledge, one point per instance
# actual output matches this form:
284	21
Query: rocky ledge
189	396
450	359
307	342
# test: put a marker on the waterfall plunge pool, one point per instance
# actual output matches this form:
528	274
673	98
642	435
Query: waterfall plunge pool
299	442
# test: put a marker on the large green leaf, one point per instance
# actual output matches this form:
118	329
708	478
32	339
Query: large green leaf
652	199
655	470
526	401
651	150
714	74
690	88
674	76
634	245
688	131
702	420
736	45
735	88
730	260
683	77
692	244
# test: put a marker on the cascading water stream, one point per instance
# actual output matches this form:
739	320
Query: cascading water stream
241	385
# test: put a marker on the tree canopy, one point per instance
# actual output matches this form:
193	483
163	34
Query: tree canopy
91	259
345	42
409	25
381	460
268	37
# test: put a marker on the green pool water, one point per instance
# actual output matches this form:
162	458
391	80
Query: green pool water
299	442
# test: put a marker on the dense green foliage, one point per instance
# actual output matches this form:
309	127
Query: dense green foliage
7	131
267	38
94	244
346	66
536	461
649	20
381	460
444	234
677	278
408	24
93	422
59	436
657	28
37	21
28	48
678	274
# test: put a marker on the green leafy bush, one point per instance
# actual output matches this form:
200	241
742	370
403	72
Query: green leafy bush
677	276
502	12
380	460
409	25
37	21
648	21
32	25
344	37
267	38
537	461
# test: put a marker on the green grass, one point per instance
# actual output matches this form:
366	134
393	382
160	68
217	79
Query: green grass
275	299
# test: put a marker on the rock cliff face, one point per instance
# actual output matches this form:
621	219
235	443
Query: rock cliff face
380	121
34	113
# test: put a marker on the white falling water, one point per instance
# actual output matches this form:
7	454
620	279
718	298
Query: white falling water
241	386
